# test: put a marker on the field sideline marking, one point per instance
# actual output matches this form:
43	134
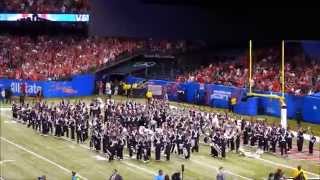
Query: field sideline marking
40	157
216	169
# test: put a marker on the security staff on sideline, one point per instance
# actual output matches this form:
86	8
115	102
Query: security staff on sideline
149	96
299	174
233	102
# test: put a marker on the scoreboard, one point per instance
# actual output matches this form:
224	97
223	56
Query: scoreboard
48	17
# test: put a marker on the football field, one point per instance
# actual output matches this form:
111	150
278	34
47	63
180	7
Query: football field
26	155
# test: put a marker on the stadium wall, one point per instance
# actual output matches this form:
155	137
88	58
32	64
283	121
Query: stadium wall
80	85
218	96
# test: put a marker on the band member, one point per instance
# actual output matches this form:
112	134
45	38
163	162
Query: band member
246	135
112	148
158	146
145	150
45	125
139	149
179	141
195	141
237	141
186	148
79	133
50	123
65	127
300	140
273	142
120	146
215	149
266	138
223	147
231	141
131	143
168	146
282	142
72	126
289	136
312	141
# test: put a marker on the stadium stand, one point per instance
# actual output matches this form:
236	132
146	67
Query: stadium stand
302	76
50	58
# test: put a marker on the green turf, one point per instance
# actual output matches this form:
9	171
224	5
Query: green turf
75	157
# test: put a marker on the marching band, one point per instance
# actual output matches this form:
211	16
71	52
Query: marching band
156	127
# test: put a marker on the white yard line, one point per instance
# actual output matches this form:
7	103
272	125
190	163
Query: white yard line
6	161
216	169
286	166
138	167
40	157
5	109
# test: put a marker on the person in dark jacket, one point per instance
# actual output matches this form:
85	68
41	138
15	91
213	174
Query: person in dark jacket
115	175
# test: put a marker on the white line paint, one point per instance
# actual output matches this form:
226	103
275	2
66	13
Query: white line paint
286	166
216	169
6	161
40	157
5	109
10	122
138	167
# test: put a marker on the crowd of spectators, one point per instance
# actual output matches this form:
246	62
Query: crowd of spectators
302	75
51	58
44	6
47	58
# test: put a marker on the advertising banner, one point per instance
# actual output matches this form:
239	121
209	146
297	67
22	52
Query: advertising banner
81	85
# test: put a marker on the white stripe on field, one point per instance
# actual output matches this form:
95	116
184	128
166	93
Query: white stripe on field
138	167
216	169
6	161
40	157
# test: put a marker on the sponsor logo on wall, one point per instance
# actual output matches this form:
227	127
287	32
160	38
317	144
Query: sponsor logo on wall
222	95
31	88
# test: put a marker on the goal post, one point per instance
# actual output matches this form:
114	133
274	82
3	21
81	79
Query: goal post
281	97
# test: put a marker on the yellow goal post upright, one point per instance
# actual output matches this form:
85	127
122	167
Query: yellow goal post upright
281	97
